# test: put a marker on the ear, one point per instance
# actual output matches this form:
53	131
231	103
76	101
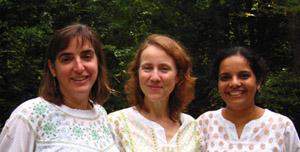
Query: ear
176	79
258	86
51	68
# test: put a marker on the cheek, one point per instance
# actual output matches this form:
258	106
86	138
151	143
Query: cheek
170	80
220	86
142	76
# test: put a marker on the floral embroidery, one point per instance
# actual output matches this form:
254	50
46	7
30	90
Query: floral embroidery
136	135
49	128
52	124
77	131
39	109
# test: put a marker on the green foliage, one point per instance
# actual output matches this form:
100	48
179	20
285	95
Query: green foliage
203	26
281	93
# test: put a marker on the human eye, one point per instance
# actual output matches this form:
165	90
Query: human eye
244	75
65	58
224	77
87	55
165	69
146	68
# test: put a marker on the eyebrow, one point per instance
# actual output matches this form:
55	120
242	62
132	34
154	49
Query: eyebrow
63	53
88	50
66	52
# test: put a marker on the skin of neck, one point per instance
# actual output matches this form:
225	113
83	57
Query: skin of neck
156	109
243	116
78	102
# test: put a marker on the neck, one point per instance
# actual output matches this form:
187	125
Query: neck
241	117
156	109
77	103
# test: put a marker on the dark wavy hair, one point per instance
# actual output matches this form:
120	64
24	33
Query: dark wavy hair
49	87
257	63
184	90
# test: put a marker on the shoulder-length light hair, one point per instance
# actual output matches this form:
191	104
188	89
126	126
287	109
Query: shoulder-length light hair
184	90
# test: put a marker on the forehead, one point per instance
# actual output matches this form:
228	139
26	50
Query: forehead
155	53
79	42
235	63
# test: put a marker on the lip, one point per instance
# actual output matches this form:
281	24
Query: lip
154	86
80	79
235	93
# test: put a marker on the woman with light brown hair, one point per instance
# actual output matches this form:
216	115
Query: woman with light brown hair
159	88
67	115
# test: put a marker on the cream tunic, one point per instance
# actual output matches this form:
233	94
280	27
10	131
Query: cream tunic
135	133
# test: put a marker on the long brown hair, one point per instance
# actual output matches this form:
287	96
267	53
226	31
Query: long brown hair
49	87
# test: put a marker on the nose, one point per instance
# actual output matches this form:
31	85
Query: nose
235	82
78	65
155	76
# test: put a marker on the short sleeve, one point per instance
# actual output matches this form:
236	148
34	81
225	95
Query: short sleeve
17	135
291	137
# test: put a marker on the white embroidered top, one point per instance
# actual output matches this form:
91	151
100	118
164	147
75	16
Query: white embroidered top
135	133
272	132
40	126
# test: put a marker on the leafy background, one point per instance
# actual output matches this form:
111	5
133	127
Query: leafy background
271	27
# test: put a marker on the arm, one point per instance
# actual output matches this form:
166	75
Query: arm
292	142
17	135
113	127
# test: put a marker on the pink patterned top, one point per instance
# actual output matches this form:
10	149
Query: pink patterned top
272	132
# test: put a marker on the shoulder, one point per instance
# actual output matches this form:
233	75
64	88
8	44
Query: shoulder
120	114
274	117
186	117
120	118
100	109
37	106
210	114
31	112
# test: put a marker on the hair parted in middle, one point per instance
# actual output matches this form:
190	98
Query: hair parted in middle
49	87
184	90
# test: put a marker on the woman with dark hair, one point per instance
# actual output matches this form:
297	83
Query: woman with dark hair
67	115
159	89
241	125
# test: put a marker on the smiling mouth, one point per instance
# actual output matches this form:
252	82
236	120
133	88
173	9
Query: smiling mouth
235	93
82	78
155	87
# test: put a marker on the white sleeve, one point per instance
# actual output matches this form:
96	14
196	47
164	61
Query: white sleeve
114	131
16	135
292	142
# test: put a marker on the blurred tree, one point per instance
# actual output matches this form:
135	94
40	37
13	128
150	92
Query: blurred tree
203	26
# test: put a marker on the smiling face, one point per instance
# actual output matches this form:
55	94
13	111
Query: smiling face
237	83
157	74
76	69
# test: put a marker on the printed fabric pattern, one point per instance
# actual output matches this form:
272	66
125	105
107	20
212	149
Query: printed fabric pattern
272	132
138	134
56	130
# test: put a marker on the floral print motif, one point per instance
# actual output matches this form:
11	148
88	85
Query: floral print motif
267	133
49	128
138	134
53	125
39	109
